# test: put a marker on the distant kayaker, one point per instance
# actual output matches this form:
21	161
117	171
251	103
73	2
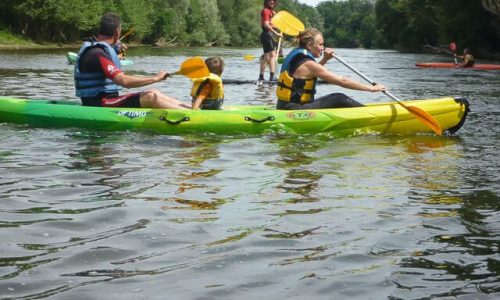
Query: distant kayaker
269	45
467	59
98	76
300	71
121	49
208	92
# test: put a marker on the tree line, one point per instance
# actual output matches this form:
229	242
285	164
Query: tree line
406	25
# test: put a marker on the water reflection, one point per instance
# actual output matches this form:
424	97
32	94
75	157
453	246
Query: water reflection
403	217
295	155
453	223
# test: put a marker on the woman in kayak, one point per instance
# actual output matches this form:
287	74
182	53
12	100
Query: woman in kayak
208	92
98	77
467	58
300	71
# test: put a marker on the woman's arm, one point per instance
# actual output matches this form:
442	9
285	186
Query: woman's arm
313	69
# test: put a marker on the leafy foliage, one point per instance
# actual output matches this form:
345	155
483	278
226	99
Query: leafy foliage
350	24
409	24
400	24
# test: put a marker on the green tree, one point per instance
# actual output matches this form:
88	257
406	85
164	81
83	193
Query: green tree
241	19
203	23
409	24
349	23
168	21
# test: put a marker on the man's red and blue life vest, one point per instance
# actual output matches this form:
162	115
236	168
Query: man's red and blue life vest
92	84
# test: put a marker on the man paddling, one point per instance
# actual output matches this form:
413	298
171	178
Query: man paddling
98	74
467	59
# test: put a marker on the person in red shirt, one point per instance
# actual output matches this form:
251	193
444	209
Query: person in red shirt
98	76
266	38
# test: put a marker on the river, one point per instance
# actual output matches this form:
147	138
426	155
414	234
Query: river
123	215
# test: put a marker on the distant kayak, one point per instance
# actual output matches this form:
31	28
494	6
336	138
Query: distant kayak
71	56
452	65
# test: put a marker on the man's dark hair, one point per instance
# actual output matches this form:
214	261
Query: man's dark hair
110	22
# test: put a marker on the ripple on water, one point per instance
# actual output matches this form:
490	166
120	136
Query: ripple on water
87	213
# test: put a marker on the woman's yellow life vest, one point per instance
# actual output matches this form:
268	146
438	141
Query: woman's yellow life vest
216	83
292	89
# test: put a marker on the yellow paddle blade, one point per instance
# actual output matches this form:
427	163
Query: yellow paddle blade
193	67
424	117
248	57
287	23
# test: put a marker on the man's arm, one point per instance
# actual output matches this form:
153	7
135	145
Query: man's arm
112	72
266	17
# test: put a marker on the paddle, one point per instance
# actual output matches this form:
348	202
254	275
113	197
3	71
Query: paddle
420	114
127	34
287	23
453	47
278	51
249	57
121	46
193	67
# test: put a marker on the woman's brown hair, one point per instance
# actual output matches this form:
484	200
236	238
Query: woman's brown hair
307	36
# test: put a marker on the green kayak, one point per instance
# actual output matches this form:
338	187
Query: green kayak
71	56
385	118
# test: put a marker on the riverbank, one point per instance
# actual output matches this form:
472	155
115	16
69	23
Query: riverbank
9	41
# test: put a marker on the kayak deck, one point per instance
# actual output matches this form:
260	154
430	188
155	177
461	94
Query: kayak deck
385	118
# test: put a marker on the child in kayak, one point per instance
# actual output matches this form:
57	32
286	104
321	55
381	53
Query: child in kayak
208	92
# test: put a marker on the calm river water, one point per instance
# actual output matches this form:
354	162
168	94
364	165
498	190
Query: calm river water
121	215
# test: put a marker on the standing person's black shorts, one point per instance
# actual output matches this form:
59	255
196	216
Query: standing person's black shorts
267	41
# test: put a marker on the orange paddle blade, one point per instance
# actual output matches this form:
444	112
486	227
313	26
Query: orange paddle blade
424	117
287	23
193	67
418	113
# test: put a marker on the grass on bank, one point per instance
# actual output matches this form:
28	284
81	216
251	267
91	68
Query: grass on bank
9	39
13	41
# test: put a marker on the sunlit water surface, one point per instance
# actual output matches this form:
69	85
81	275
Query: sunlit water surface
122	215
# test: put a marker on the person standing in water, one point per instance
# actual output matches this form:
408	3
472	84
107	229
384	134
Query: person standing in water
269	45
